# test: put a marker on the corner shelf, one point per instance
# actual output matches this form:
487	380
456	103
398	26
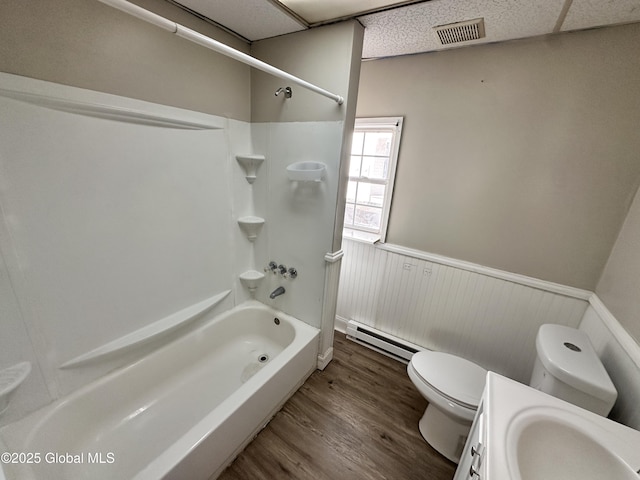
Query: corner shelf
251	279
251	226
250	164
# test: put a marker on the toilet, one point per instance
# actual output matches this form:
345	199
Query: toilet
453	387
568	367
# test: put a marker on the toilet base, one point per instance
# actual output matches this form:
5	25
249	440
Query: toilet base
444	433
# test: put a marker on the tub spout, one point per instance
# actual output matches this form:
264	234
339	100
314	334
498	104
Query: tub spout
278	291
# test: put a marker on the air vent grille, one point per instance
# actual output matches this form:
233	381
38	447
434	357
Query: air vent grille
460	31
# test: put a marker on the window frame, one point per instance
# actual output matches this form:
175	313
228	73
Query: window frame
393	124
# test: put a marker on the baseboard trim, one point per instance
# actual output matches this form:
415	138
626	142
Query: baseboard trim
325	358
341	324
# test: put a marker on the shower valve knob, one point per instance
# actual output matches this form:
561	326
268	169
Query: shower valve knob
293	273
282	269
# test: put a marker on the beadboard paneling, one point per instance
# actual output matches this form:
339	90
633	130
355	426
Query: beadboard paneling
620	355
451	306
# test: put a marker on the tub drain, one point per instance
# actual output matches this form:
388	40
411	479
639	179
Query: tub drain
263	358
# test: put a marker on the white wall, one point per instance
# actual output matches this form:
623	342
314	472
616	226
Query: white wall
108	224
299	215
620	355
485	315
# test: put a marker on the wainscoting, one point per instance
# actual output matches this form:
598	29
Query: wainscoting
485	315
620	355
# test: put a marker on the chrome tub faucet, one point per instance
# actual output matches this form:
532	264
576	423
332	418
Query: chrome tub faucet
277	292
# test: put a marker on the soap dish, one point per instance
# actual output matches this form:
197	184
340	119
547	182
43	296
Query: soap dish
307	171
10	379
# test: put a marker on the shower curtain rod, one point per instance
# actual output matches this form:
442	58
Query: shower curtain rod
216	46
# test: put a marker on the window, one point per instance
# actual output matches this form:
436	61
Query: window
374	152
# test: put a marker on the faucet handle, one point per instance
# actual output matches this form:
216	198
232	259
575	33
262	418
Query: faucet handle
282	269
271	267
293	273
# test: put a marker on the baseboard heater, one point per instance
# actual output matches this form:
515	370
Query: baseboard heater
382	342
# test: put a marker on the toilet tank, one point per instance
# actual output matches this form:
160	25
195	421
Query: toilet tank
568	367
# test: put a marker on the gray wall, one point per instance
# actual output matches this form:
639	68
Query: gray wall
618	286
522	156
327	57
87	44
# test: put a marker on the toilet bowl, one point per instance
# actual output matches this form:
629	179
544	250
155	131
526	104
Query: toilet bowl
453	387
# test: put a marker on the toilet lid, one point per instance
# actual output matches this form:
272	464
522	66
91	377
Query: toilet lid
455	377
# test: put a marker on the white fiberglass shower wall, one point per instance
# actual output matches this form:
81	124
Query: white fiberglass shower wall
99	243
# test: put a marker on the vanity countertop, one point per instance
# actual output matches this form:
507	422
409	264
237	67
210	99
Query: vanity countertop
523	425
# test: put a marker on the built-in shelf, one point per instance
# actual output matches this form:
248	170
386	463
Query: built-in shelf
307	171
251	279
149	332
251	226
250	164
10	380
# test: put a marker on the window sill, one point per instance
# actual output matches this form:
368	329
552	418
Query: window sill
359	236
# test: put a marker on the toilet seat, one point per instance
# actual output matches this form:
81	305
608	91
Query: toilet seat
453	388
456	379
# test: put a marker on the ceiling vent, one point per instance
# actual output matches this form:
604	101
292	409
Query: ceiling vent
460	31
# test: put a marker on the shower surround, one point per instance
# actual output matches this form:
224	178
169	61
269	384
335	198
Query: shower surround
119	231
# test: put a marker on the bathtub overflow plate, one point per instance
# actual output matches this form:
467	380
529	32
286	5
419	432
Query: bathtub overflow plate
263	357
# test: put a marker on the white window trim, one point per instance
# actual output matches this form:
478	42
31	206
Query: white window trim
375	123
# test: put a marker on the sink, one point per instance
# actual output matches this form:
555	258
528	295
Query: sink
526	434
548	443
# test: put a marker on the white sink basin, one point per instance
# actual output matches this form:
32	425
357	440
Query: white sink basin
529	435
552	444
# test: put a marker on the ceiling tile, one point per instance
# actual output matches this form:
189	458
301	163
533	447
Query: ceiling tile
595	13
253	19
410	29
316	11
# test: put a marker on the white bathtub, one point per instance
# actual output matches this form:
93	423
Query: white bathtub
182	412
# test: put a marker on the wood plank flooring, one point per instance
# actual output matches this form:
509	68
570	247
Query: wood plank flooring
357	419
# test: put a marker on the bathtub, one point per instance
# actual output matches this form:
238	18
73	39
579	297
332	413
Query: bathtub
184	411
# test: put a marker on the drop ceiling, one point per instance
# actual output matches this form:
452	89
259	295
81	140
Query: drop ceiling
406	27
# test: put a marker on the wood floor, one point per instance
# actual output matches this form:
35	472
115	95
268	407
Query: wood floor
357	419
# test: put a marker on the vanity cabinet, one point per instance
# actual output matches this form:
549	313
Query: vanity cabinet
472	465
